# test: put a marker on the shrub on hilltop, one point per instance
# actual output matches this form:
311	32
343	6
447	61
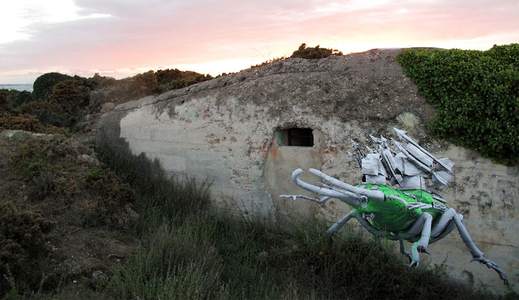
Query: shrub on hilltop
143	84
170	79
44	84
97	81
314	52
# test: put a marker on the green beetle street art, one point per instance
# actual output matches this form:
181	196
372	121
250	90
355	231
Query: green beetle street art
393	201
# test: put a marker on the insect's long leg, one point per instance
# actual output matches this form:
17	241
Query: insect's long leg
368	227
403	251
465	236
339	224
448	229
415	229
422	244
477	254
443	223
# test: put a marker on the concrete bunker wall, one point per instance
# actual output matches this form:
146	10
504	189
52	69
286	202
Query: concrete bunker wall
239	148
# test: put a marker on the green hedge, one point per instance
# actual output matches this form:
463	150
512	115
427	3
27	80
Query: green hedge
476	96
43	85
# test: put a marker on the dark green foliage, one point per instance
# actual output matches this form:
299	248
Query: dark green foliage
141	85
62	100
44	84
475	93
506	55
21	98
22	246
71	95
11	99
170	79
3	100
55	199
26	122
64	106
314	52
189	253
151	82
97	81
48	113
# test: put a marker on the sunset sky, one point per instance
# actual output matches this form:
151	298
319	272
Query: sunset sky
122	37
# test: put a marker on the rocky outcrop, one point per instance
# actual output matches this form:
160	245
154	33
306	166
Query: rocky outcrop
233	131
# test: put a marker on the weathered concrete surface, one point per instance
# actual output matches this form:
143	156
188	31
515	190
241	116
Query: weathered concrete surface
223	130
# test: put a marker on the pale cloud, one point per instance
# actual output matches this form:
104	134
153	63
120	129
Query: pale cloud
123	37
19	19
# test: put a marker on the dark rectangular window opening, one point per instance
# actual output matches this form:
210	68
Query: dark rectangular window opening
300	137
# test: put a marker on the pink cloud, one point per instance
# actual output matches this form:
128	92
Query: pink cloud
159	33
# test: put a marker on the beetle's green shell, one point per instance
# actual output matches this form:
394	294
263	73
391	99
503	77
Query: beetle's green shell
393	215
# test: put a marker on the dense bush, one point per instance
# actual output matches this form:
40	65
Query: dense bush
170	79
11	99
475	93
71	95
26	122
22	246
64	106
3	100
48	113
57	205
44	84
98	81
63	100
314	52
152	82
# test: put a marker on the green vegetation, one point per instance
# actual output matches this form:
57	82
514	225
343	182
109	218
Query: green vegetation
51	169
189	253
23	246
314	52
57	205
144	84
60	100
10	99
44	84
48	113
476	96
27	122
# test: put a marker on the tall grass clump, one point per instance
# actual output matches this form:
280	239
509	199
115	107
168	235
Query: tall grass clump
189	252
174	263
475	93
160	198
